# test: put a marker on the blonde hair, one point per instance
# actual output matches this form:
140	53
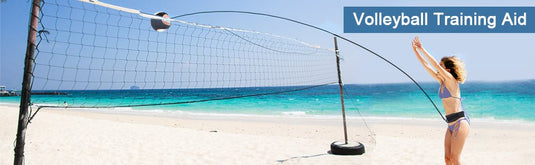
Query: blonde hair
456	67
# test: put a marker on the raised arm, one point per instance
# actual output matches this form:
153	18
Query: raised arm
440	73
415	44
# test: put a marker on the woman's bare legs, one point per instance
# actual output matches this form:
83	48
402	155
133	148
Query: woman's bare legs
447	146
456	143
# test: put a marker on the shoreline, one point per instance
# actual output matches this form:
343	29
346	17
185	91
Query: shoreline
209	116
74	136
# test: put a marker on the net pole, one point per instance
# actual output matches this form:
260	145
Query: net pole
26	84
340	84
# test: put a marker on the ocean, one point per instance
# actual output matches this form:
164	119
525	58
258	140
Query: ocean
514	100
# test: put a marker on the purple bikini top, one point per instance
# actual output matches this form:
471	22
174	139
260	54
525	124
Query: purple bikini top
445	92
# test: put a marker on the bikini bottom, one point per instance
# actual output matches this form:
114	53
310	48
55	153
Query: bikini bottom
455	127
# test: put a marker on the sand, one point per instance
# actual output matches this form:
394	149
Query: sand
64	136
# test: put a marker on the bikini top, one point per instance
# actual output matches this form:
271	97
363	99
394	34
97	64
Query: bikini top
445	92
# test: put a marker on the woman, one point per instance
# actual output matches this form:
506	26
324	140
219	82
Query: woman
449	73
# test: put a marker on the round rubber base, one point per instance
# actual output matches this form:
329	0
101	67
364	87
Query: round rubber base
351	148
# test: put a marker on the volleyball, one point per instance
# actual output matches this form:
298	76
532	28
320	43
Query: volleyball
160	25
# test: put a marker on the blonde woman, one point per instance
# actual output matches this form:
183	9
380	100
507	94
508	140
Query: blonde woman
449	73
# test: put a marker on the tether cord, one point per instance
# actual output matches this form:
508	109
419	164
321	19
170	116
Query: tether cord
326	31
372	134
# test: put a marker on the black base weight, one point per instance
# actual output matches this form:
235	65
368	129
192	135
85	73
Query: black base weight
351	148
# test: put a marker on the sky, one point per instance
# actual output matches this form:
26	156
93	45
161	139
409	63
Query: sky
488	56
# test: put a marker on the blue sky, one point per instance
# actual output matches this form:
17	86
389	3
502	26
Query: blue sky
488	57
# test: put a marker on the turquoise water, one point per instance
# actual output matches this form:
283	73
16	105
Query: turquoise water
492	100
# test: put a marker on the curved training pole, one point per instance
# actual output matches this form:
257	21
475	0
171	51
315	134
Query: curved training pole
326	31
26	84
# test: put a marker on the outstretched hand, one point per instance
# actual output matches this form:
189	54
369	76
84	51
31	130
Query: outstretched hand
416	44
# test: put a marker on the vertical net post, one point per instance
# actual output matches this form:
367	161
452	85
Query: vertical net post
340	84
345	147
26	84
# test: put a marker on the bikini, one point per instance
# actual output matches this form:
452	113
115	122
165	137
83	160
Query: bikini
454	116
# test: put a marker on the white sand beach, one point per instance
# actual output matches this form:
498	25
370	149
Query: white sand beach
63	136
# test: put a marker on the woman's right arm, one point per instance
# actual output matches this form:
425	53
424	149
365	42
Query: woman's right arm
441	73
422	60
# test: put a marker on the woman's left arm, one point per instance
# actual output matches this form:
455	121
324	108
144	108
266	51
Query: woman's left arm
441	71
425	64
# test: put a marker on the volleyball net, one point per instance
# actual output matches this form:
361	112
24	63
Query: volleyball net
93	55
90	54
